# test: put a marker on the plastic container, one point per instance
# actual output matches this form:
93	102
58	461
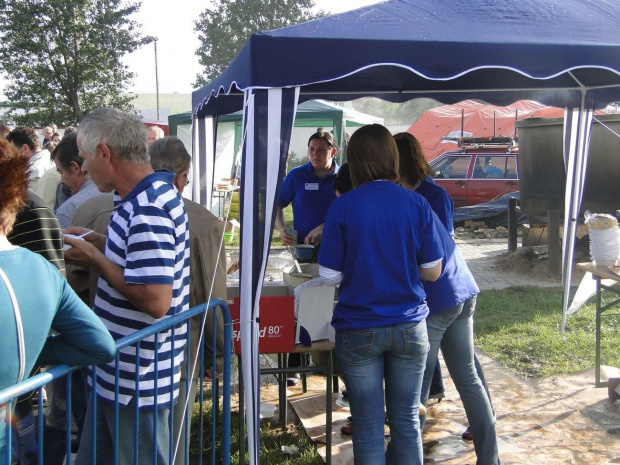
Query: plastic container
295	278
304	251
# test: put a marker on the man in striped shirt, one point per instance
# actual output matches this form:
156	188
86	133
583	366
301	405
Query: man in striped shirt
143	263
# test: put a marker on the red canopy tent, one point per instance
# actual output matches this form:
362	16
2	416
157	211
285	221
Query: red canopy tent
476	119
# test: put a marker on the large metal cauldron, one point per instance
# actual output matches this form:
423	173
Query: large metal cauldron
542	176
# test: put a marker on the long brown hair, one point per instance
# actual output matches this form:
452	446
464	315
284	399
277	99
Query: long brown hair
14	175
372	155
412	165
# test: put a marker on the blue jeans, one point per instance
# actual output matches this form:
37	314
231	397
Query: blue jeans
453	330
105	435
24	441
437	386
396	354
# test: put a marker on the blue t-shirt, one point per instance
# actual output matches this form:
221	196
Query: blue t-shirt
311	197
377	235
440	202
456	284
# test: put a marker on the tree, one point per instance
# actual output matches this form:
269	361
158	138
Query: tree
225	27
63	57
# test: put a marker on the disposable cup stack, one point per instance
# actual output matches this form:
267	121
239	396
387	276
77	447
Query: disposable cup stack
605	246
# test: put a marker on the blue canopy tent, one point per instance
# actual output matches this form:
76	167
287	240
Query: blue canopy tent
558	52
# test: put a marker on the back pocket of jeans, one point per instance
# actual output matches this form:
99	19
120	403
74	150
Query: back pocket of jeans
416	340
357	345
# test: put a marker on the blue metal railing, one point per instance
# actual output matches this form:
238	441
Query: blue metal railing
8	395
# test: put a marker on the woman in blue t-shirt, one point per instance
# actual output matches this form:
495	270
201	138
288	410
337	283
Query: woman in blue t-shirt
452	301
379	242
310	188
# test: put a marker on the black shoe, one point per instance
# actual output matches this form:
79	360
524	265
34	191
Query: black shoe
293	380
347	429
437	395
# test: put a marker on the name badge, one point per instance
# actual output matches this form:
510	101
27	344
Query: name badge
312	186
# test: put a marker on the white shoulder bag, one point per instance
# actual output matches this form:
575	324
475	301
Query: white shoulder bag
21	347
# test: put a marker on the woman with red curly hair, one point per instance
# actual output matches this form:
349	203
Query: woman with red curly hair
35	298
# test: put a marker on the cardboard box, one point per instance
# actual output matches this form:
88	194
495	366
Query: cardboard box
276	329
314	315
231	225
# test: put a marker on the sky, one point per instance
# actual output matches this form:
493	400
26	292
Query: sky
173	24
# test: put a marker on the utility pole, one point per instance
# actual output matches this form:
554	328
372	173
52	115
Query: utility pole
156	79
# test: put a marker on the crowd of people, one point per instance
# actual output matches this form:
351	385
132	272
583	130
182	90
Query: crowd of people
111	219
112	248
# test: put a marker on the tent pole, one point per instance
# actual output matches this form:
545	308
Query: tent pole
574	185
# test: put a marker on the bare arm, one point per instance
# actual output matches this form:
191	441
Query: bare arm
430	274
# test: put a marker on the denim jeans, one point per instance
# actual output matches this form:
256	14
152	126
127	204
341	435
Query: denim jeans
180	417
396	354
437	386
105	435
23	439
453	330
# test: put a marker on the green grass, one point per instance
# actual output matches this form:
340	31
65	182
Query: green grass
272	438
520	328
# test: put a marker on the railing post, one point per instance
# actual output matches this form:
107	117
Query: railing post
8	395
512	225
553	234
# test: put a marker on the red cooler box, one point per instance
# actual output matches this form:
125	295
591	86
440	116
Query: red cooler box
277	324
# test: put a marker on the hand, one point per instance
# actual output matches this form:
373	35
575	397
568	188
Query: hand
287	239
315	240
88	235
314	236
82	252
209	374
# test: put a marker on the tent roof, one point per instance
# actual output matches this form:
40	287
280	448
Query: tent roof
310	113
499	51
479	119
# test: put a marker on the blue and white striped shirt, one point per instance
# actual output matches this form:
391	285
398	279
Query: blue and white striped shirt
149	238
